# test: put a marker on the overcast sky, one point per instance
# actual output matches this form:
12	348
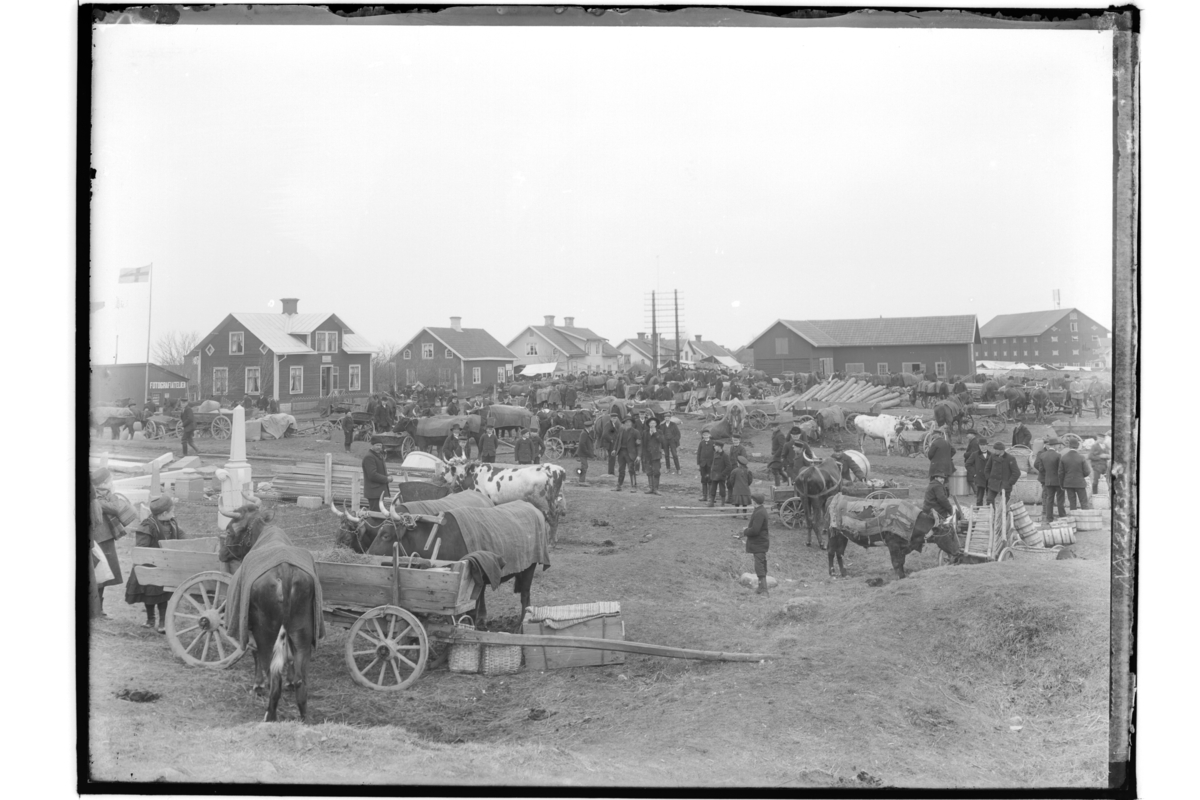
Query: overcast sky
401	175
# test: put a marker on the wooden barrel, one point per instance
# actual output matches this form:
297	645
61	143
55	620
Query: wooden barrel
1087	519
1033	538
1060	531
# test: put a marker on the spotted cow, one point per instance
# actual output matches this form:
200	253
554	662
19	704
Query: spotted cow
540	485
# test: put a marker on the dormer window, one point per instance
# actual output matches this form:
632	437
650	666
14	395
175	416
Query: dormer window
237	343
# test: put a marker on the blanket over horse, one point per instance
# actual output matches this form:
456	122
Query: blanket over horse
272	549
439	427
869	519
454	501
517	532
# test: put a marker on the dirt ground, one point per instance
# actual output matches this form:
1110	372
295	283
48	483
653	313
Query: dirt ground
977	675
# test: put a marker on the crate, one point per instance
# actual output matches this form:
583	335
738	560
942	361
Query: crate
559	621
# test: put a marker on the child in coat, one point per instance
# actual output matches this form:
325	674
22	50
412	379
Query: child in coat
758	541
739	487
718	474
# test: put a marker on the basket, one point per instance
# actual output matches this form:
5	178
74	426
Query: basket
1041	553
1024	456
501	659
1087	519
465	657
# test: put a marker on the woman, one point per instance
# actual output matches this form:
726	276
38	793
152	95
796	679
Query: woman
154	528
107	511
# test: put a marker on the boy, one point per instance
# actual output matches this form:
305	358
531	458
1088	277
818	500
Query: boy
739	487
718	474
758	541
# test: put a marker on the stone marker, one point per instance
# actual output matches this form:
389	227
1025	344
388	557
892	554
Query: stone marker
235	477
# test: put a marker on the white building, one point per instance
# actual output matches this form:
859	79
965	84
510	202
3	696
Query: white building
574	349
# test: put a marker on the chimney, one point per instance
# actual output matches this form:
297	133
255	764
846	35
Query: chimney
549	320
698	339
569	322
456	323
641	336
289	304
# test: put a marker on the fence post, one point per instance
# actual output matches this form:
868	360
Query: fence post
356	492
328	479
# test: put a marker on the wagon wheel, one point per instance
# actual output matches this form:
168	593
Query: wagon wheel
936	433
1051	407
791	513
152	431
850	421
757	419
222	428
881	494
554	448
1106	406
999	424
1005	554
392	640
196	622
178	434
364	432
984	427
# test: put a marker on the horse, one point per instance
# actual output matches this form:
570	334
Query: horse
1018	401
1041	401
280	607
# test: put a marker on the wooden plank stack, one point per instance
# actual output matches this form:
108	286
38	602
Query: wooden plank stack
850	390
291	481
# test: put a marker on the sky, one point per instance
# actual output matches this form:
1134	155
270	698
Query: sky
398	176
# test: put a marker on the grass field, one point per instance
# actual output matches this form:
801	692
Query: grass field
981	675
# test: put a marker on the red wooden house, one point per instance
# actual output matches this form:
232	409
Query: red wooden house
470	360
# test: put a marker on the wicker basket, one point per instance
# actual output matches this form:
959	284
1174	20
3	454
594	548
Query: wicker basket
1043	553
1087	519
501	659
465	657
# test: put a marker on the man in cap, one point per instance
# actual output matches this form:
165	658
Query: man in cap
629	444
452	405
935	509
1077	391
718	474
528	448
732	453
1046	465
941	457
778	440
1099	459
608	439
452	447
1003	472
107	527
375	476
189	426
488	444
758	540
705	452
153	529
1073	472
976	463
1021	436
584	451
851	471
652	451
348	430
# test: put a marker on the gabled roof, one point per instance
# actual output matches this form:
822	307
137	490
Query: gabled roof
643	347
472	344
278	332
569	341
706	349
566	345
1031	323
883	331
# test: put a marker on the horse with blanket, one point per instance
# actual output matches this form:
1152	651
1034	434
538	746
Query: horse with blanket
900	525
275	597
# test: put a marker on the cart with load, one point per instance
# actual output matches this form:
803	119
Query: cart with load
560	441
913	443
989	418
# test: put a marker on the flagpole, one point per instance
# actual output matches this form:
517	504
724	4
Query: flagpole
149	309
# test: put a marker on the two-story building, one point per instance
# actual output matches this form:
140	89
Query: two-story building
1062	336
698	349
944	345
640	350
289	356
470	360
575	349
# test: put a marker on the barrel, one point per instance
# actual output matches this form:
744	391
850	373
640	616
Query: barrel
1087	519
1060	531
958	482
1023	455
1035	537
1027	490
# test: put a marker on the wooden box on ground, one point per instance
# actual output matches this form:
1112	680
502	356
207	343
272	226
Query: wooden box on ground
585	620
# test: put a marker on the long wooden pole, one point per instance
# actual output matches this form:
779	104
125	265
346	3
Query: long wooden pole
149	309
585	643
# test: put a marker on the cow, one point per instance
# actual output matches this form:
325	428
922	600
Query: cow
540	485
284	603
883	427
815	484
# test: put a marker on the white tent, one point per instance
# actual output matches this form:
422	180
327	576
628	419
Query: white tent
547	368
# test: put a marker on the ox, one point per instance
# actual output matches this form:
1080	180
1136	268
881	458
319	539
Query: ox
540	485
831	418
883	427
815	484
906	531
951	411
1018	401
281	606
1041	401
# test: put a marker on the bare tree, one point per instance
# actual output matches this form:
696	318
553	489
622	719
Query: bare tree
172	348
385	369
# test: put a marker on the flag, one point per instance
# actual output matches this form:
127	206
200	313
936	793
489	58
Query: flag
139	275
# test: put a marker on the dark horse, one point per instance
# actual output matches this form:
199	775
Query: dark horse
899	546
814	485
281	600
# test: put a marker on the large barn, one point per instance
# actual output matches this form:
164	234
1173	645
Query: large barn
1062	336
944	345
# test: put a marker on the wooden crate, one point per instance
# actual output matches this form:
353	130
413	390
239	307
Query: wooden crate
543	658
176	560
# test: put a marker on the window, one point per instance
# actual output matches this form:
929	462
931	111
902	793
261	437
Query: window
296	380
448	353
210	350
1095	340
407	354
781	346
1074	315
1024	352
1054	338
476	375
881	368
252	381
220	380
1053	352
262	348
443	374
237	343
427	350
1074	352
1074	327
855	369
410	377
355	378
1005	353
531	348
939	368
499	376
1035	352
326	342
1024	340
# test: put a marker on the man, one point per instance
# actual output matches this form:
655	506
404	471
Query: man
608	440
452	447
652	451
189	427
850	468
1021	437
740	478
1077	392
704	460
718	474
488	444
672	436
579	419
583	452
528	449
1003	472
1073	472
976	464
936	508
375	476
959	385
153	529
777	442
628	448
736	449
1046	465
263	403
569	396
941	457
348	430
273	406
149	408
452	406
1099	457
382	416
758	541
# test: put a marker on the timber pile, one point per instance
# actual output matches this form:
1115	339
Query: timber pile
308	479
851	390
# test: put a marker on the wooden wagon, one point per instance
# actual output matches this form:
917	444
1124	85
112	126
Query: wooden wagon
989	418
560	441
789	507
990	535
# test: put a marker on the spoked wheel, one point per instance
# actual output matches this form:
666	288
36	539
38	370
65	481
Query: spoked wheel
790	513
387	649
882	494
196	627
985	427
758	419
151	430
1106	407
554	448
222	428
365	431
999	424
936	433
850	422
